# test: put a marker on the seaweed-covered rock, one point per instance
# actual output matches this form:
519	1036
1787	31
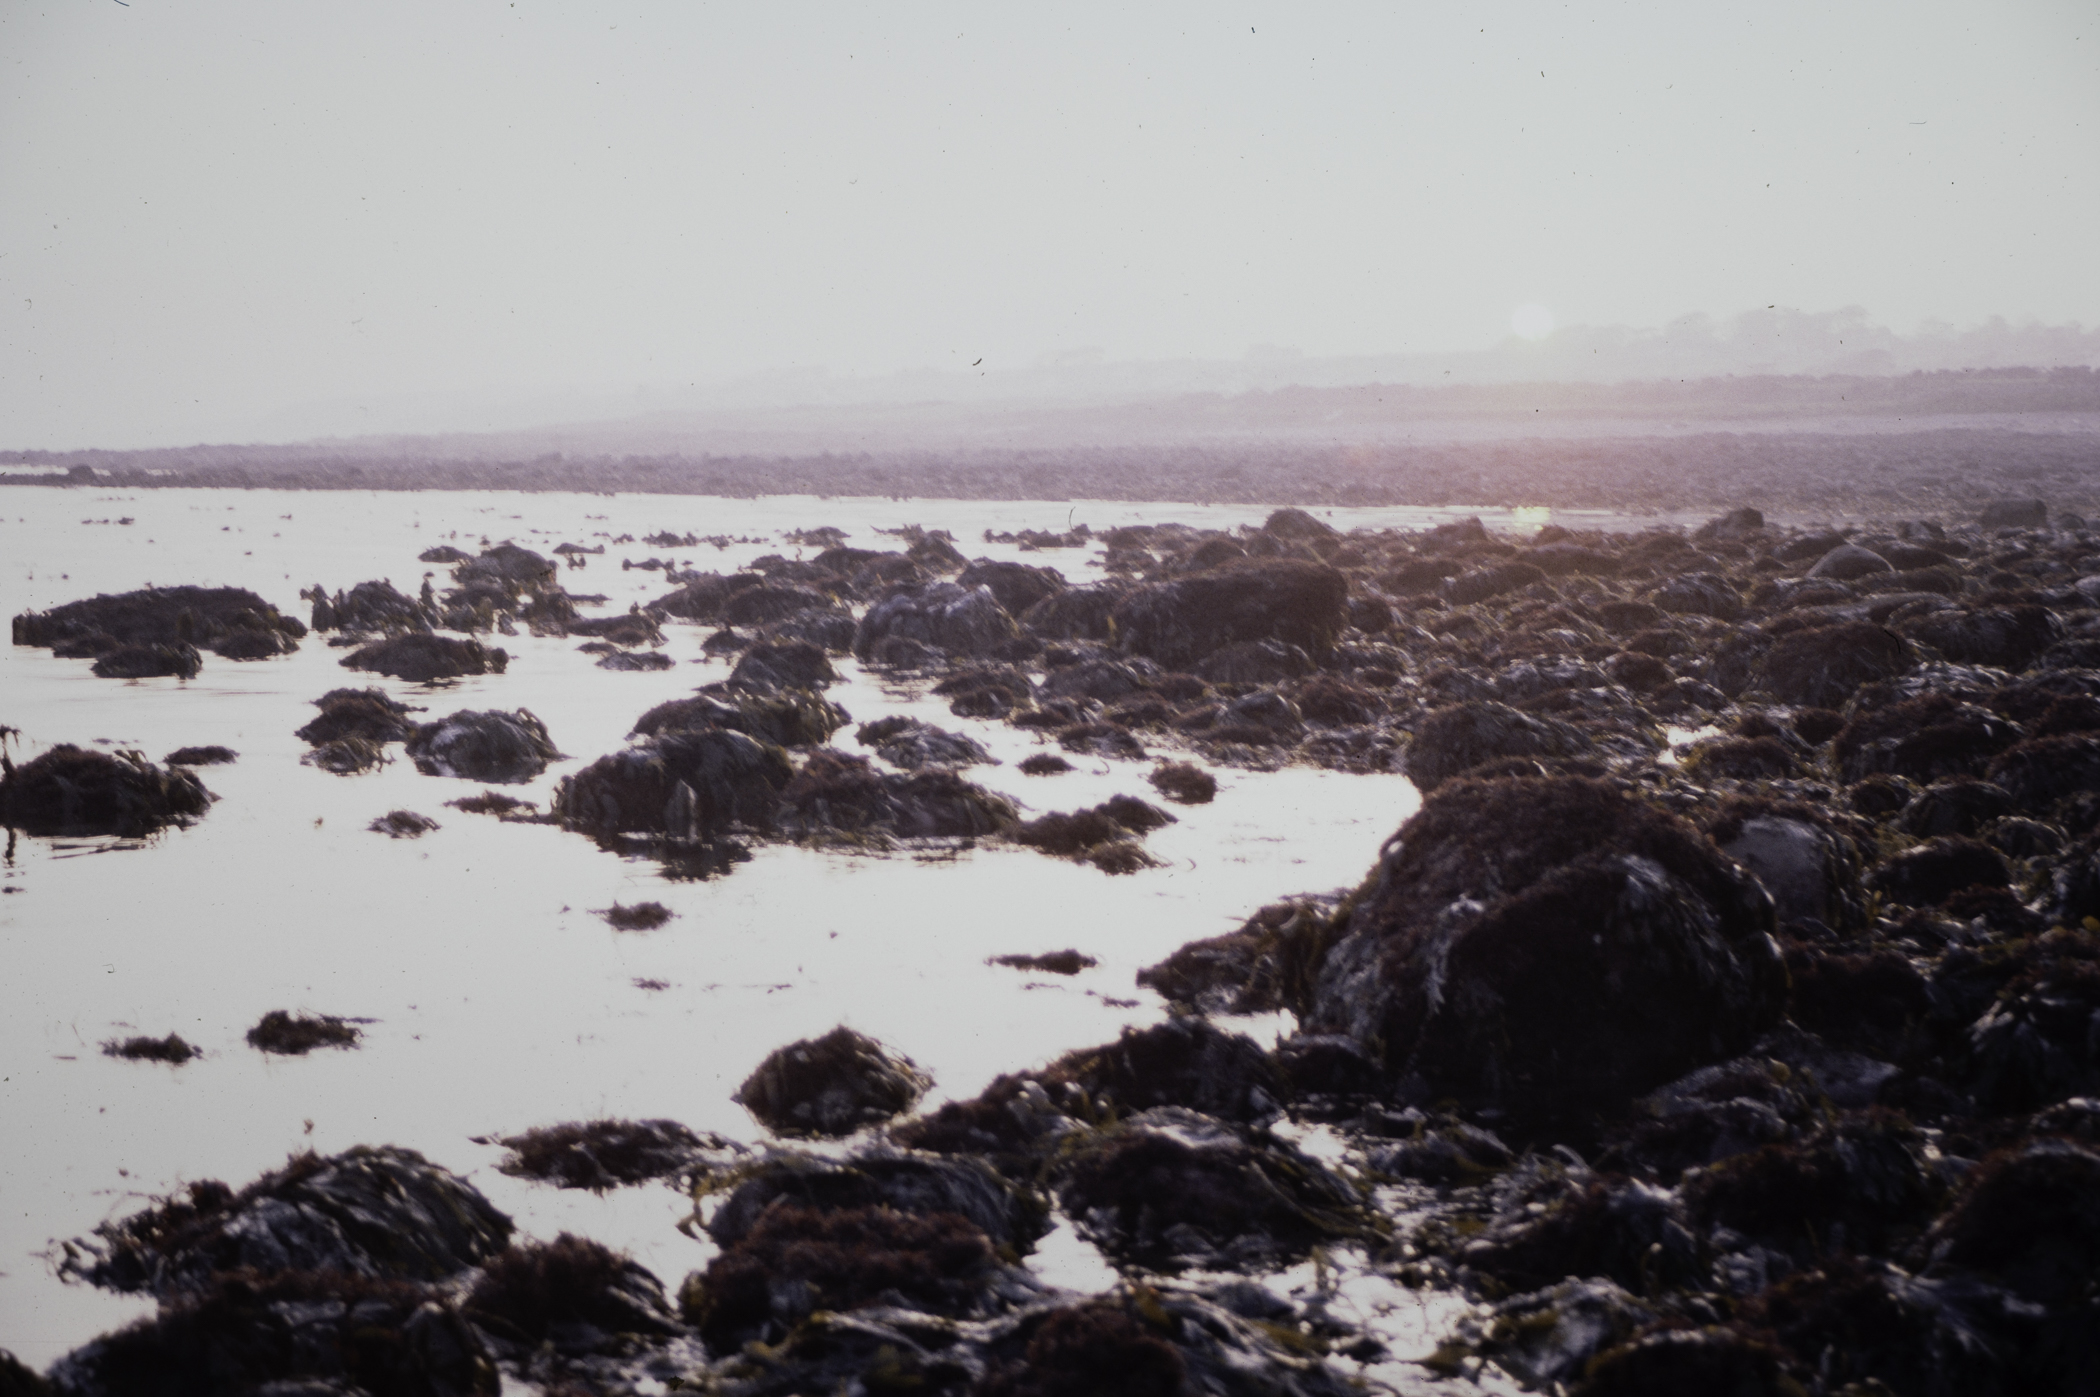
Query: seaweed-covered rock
686	784
371	606
1017	585
913	745
151	661
1545	1338
836	793
1270	963
798	1260
209	755
1178	622
833	1085
1861	1183
1076	613
346	756
951	618
1184	783
2005	637
1821	668
571	1294
1170	1189
2041	771
1810	868
506	748
1450	741
1927	738
426	659
1552	946
384	1212
2014	514
311	1333
366	713
1937	869
1185	1061
2029	1216
768	666
70	790
606	1154
787	717
1699	594
232	621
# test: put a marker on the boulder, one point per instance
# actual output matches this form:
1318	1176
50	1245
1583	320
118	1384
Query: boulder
836	794
148	662
770	666
425	659
1017	585
833	1085
505	748
1821	668
1178	622
788	717
72	790
1848	561
364	713
1551	946
1450	741
229	620
688	784
951	618
380	1212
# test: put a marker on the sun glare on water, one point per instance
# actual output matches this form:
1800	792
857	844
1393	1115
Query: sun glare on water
1532	321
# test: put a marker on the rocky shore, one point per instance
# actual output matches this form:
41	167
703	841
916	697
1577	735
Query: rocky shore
1724	1020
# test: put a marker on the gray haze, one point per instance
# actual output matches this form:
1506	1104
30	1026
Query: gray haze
239	221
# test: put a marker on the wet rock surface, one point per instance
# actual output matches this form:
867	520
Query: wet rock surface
1763	1062
70	790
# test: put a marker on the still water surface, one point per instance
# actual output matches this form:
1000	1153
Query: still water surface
497	999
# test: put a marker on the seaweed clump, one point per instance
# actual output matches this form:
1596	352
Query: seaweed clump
831	1085
294	1035
402	824
603	1154
640	916
200	756
71	790
171	1049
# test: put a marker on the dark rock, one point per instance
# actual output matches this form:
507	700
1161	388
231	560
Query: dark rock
1017	585
346	756
2030	1217
1553	946
1481	584
767	667
1450	741
606	1154
1960	806
1936	870
373	606
913	745
943	615
1571	560
1179	622
230	620
799	1260
1546	1338
685	784
1184	783
1810	867
786	717
1254	662
755	606
366	713
571	1294
1076	613
835	793
1699	594
1044	764
383	1213
306	1333
2034	1043
1104	679
149	662
505	748
1184	1061
1672	1361
878	1176
1927	738
1740	759
200	756
833	1085
1066	962
646	662
1169	1189
2005	637
71	790
1821	668
2044	770
1861	1183
1270	963
1848	561
426	659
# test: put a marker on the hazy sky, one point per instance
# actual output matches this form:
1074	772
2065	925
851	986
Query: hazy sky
215	212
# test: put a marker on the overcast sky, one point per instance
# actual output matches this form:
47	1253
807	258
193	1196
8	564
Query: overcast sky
215	214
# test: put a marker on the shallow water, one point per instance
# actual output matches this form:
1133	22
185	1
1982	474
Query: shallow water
497	998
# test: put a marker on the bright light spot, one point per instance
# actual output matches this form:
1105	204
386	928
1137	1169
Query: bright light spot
1532	322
